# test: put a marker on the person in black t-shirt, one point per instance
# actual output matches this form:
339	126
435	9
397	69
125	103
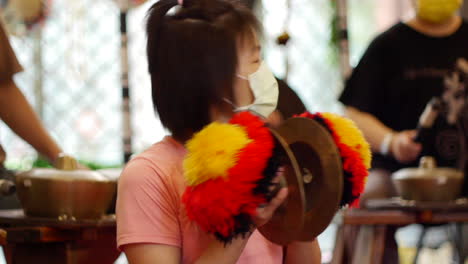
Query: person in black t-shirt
402	69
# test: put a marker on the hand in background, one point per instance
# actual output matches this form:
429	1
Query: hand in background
81	166
404	148
63	161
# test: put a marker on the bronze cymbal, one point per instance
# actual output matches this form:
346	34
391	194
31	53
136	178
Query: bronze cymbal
288	219
314	176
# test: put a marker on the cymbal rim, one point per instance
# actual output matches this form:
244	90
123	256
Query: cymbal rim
311	206
291	214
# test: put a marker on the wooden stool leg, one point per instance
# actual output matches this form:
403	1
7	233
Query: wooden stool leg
370	245
363	248
8	253
379	243
463	231
457	241
420	244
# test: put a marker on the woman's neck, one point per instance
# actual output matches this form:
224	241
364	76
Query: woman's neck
443	29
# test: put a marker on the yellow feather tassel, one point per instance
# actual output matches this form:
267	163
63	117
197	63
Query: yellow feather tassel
350	135
213	151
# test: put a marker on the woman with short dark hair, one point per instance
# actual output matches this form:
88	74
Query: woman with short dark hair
204	62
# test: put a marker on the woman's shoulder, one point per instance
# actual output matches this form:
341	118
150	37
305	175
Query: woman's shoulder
160	162
165	152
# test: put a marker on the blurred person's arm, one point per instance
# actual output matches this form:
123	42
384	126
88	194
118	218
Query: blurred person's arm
15	110
373	130
399	144
18	114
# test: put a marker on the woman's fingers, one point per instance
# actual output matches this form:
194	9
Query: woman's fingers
266	212
276	180
404	149
277	200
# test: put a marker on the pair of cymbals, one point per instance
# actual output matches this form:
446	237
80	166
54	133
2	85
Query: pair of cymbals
314	176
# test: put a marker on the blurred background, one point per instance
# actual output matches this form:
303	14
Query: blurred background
73	65
72	62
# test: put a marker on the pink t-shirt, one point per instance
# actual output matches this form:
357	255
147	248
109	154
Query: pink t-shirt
149	208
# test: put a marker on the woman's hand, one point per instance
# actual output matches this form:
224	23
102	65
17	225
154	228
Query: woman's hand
266	211
303	252
404	148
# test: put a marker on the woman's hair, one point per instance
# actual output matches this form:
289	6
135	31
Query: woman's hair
192	59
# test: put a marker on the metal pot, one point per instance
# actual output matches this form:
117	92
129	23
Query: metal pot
113	175
66	192
428	183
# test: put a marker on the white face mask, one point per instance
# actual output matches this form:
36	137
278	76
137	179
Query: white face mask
265	90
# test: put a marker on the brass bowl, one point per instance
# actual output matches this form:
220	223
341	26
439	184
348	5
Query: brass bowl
112	174
65	193
428	183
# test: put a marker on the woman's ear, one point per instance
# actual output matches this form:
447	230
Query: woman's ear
220	113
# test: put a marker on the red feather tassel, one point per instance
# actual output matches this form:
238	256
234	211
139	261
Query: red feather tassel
214	203
352	161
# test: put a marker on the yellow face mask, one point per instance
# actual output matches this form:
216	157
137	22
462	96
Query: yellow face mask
437	11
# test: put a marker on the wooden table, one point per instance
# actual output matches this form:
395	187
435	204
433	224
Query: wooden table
379	214
42	240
